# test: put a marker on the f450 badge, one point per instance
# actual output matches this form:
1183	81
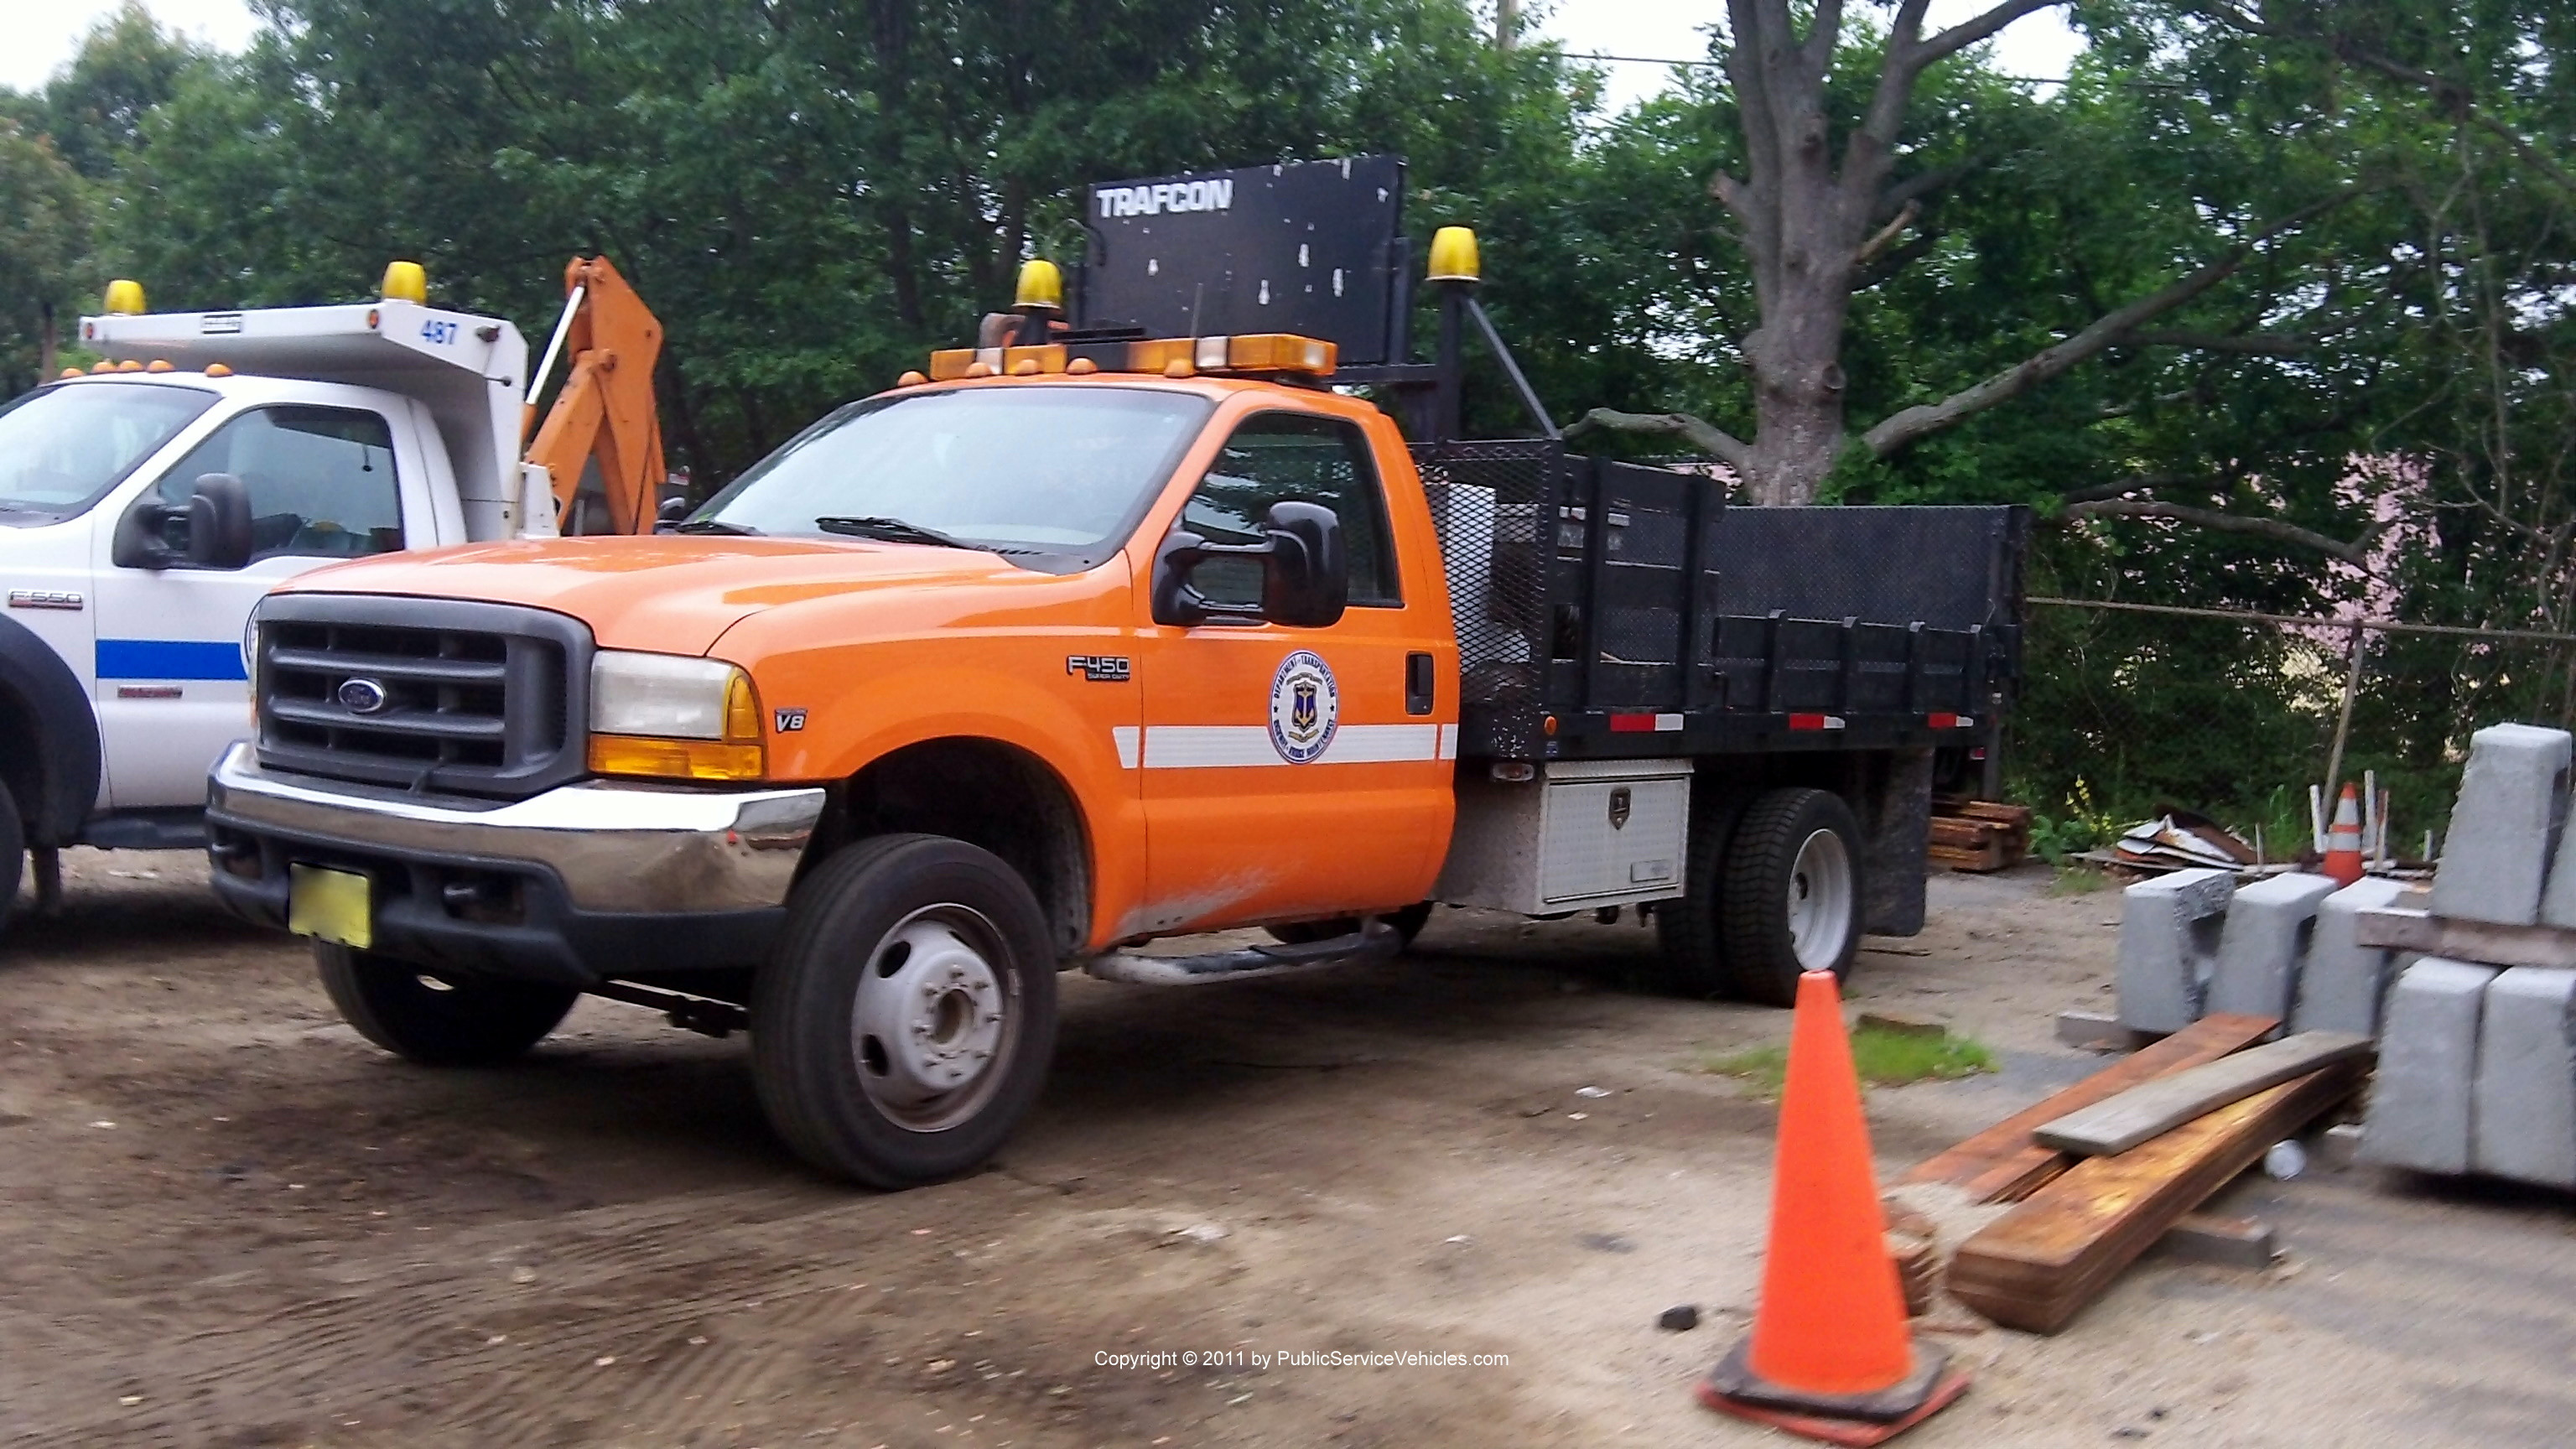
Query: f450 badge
1099	668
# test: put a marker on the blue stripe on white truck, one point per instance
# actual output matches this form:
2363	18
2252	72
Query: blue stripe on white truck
169	659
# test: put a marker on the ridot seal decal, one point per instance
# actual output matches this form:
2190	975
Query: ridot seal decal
1305	707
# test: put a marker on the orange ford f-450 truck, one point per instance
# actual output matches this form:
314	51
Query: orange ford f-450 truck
1129	623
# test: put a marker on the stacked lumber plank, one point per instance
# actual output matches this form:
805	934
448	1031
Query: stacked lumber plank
1978	835
2102	1170
2035	1267
2004	1164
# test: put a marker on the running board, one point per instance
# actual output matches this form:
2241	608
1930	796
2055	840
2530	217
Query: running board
1375	941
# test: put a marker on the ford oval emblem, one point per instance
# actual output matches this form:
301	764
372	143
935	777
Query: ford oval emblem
361	696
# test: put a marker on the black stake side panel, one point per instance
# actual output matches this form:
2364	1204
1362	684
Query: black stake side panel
1644	618
1312	248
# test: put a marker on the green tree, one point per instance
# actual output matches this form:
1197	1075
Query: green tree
44	220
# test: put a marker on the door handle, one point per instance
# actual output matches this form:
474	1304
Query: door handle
1418	683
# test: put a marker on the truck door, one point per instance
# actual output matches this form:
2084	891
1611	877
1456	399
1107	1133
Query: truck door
1296	772
171	687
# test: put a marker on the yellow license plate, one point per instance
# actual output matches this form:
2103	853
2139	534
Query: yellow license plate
331	905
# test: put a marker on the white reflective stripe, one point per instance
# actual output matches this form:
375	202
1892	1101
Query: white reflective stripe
1130	740
1381	744
1200	747
1205	747
1665	723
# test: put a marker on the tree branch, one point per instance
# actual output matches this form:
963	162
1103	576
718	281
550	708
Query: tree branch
1709	438
1870	249
2356	553
1968	32
2053	362
2270	344
2096	492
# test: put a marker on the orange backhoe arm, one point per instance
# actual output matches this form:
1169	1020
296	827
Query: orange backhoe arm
605	415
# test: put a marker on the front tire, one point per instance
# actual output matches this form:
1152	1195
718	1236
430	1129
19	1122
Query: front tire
1791	893
904	1025
436	1018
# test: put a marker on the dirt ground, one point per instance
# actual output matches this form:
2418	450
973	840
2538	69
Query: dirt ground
226	1221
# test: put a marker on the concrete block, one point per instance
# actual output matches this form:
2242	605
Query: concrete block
2558	896
2420	1104
2341	985
2513	798
2169	929
2265	940
2523	1119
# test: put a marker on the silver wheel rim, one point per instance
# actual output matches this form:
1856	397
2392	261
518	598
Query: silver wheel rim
1820	901
934	1020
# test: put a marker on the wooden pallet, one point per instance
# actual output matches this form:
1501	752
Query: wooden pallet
2487	942
2037	1266
1978	835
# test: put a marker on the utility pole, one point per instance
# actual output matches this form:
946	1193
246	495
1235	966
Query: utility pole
1507	23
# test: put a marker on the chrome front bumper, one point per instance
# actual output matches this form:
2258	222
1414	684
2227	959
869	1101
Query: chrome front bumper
627	849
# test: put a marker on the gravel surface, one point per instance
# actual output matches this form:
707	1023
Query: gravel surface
229	1222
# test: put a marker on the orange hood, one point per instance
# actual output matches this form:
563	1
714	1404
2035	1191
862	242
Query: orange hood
667	593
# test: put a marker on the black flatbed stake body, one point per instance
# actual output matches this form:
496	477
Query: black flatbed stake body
1678	626
1645	618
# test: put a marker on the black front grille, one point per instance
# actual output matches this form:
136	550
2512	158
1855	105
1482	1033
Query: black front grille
428	694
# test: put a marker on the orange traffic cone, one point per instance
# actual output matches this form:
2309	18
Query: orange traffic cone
2343	841
1829	1356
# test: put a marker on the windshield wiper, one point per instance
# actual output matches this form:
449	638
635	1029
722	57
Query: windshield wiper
892	530
714	525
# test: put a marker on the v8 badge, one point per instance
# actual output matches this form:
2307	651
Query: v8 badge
789	721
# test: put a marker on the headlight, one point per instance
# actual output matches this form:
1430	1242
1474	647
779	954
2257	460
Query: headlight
674	716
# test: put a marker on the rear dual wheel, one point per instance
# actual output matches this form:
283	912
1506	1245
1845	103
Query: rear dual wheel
1773	889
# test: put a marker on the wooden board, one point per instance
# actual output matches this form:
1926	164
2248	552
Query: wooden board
2151	1109
2002	1164
1992	856
2036	1267
2487	942
1968	834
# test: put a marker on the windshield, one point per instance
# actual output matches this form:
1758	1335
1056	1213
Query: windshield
1037	473
63	447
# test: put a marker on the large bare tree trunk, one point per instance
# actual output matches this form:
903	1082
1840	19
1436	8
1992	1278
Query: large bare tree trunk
1812	219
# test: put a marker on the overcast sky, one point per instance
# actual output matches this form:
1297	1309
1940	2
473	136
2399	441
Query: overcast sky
38	36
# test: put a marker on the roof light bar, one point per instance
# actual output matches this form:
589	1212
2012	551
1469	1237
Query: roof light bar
1249	352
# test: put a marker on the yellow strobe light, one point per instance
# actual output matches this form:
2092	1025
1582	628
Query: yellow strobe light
405	282
1041	286
1453	256
125	298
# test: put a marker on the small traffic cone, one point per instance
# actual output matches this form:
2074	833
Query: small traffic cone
2343	841
1829	1356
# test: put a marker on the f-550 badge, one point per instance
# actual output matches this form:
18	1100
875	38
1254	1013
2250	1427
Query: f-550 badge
1099	668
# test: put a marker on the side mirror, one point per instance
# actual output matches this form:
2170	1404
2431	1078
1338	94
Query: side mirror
209	531
219	522
666	519
1304	583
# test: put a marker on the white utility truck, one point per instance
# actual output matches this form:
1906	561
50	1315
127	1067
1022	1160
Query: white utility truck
146	505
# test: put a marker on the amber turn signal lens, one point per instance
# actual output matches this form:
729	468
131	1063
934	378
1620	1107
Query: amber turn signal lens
676	759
